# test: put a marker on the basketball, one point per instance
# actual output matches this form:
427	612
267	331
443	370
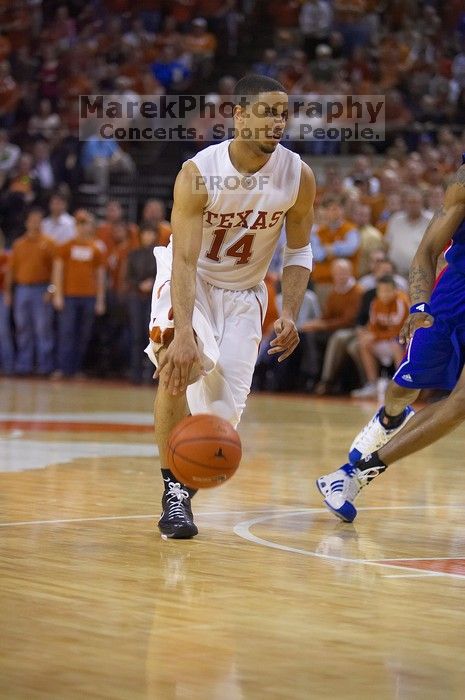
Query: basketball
204	451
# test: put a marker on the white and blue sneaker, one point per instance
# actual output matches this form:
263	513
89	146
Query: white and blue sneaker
340	488
374	435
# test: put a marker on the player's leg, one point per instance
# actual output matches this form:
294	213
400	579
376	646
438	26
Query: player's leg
338	487
387	421
241	317
428	363
168	411
176	521
434	360
426	427
396	400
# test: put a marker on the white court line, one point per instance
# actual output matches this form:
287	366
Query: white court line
243	530
284	511
425	573
124	417
457	556
97	518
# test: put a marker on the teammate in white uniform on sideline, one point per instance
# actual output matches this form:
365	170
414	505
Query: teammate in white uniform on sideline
209	298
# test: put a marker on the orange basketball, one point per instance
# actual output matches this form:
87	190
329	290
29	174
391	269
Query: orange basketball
204	451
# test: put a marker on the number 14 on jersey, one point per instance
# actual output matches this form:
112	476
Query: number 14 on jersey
241	249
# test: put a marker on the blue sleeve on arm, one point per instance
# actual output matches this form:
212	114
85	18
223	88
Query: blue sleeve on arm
348	246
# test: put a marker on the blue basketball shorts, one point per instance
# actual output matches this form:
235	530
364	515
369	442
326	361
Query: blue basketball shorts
436	355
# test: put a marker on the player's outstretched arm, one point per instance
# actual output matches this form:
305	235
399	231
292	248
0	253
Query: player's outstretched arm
182	356
436	237
297	265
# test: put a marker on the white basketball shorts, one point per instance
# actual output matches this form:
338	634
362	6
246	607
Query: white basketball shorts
228	328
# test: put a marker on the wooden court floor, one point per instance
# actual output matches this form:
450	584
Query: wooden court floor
275	599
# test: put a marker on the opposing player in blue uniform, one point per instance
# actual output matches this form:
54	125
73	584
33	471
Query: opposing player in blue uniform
434	334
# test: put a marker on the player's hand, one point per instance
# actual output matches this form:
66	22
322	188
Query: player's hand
287	338
180	362
412	324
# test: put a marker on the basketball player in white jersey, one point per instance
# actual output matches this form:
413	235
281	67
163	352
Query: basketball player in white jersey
209	298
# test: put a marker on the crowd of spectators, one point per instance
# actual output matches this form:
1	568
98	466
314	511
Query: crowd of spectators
411	51
369	221
71	283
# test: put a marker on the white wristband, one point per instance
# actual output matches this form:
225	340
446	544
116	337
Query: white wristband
298	256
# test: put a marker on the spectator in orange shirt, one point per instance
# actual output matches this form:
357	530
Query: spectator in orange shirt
340	311
117	259
7	353
30	271
79	276
108	230
154	216
198	41
378	341
201	44
336	238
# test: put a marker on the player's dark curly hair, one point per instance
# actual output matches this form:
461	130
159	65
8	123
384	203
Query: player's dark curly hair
254	84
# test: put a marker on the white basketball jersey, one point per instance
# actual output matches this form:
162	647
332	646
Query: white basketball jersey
244	215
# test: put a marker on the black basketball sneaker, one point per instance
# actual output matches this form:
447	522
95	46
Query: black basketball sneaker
177	521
